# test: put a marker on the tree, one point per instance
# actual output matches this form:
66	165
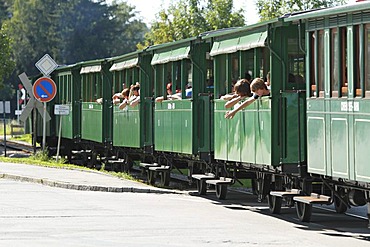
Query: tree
72	31
6	63
271	9
189	18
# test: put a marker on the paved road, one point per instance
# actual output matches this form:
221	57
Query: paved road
36	215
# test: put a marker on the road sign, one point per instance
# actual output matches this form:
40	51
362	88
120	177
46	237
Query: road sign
32	103
61	109
46	65
44	89
6	105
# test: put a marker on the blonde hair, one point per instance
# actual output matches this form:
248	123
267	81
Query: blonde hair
258	84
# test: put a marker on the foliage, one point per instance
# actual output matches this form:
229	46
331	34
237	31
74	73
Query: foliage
72	31
268	9
6	63
189	18
24	138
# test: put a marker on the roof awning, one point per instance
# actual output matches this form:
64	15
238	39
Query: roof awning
90	69
252	41
239	44
124	65
224	46
171	56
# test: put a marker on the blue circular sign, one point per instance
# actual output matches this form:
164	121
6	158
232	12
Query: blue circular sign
44	89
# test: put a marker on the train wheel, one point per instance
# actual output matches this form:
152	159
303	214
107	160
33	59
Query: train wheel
221	191
340	206
304	211
165	178
202	187
275	203
151	177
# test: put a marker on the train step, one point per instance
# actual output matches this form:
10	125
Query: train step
221	180
313	199
289	193
207	176
81	151
159	168
118	161
147	165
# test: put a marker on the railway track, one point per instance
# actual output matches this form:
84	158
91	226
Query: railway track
17	146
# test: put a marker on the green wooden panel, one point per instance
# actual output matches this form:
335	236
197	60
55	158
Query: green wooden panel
118	132
248	134
175	108
339	146
263	132
233	142
316	150
220	130
92	123
361	128
167	126
293	127
158	127
126	127
67	124
187	127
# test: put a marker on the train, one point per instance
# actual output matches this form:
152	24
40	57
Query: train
304	144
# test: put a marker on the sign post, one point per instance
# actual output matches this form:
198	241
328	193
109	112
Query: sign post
5	108
44	90
61	110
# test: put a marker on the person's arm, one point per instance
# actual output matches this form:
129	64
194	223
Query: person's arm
123	104
159	99
173	97
135	102
228	96
231	114
232	102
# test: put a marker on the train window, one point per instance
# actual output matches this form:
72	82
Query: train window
235	66
69	79
334	62
343	62
321	63
312	67
367	60
356	59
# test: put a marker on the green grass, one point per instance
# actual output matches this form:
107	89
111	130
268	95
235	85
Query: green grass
16	130
26	138
42	159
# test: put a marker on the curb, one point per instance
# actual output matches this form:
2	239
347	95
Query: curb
65	185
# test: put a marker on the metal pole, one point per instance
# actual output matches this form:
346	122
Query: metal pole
34	131
18	105
60	133
4	128
44	129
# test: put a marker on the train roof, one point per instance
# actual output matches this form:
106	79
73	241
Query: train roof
338	10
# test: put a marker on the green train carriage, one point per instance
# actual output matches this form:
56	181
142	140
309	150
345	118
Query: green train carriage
266	140
96	117
68	81
338	86
182	128
132	126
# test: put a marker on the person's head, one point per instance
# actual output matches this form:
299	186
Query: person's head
125	93
20	86
135	89
258	87
169	88
242	88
